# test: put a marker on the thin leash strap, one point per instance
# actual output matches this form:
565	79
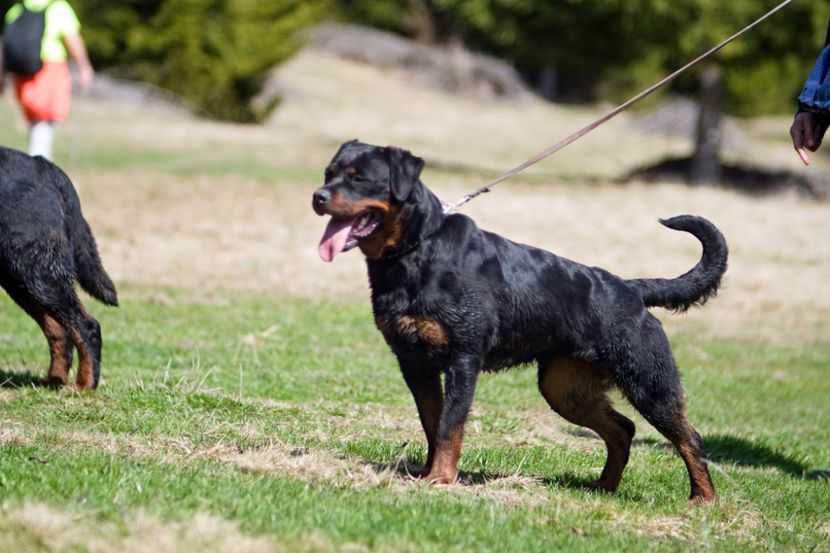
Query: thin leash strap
616	111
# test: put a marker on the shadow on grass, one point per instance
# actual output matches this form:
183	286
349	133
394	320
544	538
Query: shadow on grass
10	379
408	470
723	448
751	180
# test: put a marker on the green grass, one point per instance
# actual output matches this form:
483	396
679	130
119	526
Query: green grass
192	394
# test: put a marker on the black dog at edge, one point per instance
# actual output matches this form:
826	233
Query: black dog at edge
45	246
451	298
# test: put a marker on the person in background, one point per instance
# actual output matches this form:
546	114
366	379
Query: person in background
813	116
45	96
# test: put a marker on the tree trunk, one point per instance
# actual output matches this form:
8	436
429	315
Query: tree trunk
706	167
549	83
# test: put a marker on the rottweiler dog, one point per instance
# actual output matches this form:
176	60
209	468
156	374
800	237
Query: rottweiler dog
45	246
452	299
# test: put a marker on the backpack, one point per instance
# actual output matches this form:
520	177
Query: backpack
22	41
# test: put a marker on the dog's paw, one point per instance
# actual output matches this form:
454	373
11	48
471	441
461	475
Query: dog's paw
52	382
440	478
601	485
81	387
417	474
703	499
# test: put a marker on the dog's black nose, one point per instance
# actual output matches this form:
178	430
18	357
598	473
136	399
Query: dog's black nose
320	198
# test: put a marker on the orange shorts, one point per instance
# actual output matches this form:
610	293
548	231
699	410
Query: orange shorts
45	95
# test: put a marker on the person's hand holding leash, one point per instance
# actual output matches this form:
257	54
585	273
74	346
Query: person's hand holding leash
807	132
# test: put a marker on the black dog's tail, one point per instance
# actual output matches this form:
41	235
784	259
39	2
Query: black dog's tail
91	274
89	270
701	282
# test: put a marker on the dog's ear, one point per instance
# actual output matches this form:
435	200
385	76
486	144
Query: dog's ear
404	170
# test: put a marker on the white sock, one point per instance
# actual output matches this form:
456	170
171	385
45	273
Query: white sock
41	136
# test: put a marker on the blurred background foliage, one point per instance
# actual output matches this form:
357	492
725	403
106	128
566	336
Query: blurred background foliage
216	53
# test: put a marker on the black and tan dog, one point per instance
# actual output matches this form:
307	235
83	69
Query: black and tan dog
45	246
455	300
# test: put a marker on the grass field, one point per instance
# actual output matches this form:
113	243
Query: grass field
248	403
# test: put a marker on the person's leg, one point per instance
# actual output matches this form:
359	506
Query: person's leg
41	138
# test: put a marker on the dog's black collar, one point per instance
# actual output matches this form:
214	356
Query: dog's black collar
396	255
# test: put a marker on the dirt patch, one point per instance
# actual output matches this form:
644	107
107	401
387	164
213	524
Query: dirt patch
13	433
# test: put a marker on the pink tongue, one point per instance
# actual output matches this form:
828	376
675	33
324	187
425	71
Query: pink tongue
334	238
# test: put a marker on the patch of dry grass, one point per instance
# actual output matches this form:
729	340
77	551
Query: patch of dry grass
39	527
274	457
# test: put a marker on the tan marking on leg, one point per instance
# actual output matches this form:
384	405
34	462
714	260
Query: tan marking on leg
703	490
55	335
85	377
444	468
577	391
430	403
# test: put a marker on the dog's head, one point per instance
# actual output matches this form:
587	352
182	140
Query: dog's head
375	199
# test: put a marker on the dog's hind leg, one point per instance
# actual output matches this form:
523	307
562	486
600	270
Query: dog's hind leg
85	333
55	295
60	348
651	382
577	391
60	343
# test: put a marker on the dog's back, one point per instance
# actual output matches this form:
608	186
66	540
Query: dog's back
40	214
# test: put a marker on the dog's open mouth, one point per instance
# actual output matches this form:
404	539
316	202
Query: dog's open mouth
341	235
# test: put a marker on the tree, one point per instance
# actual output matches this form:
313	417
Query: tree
612	48
214	53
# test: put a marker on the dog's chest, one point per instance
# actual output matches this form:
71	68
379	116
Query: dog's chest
405	322
413	330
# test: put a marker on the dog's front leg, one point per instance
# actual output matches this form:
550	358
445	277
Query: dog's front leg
459	389
425	385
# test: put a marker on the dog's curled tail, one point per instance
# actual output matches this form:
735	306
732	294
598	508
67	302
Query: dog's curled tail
701	282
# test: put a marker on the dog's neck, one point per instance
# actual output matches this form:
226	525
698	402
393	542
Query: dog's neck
421	216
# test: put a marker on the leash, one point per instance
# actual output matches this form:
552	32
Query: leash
449	208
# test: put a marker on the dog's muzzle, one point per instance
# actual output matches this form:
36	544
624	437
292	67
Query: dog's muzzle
319	200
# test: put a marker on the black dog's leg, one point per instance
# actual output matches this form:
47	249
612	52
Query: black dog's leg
653	387
86	334
425	385
60	344
459	388
668	416
61	349
577	391
54	293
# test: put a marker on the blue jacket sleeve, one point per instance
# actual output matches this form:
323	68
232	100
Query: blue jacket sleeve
815	95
